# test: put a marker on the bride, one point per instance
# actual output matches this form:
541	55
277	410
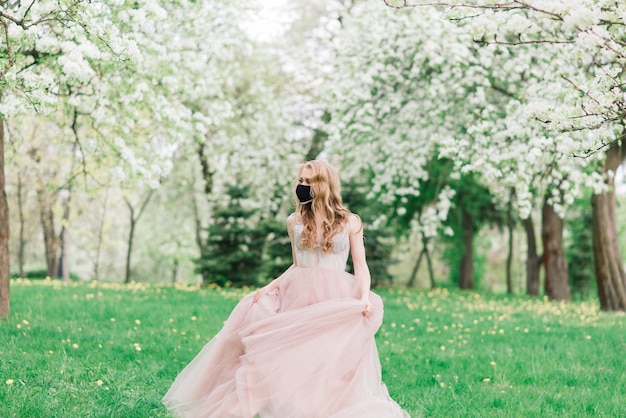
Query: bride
302	346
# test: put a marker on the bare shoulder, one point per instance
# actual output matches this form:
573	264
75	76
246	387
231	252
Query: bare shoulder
355	222
291	221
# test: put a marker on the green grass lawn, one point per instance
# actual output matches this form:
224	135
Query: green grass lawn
66	353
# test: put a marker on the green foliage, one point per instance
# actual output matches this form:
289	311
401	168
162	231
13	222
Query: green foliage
406	208
451	256
443	353
378	238
453	252
379	243
277	252
579	249
233	251
474	201
42	275
472	208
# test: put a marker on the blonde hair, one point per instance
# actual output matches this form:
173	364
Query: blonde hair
326	194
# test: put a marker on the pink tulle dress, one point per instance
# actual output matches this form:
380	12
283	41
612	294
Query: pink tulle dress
303	350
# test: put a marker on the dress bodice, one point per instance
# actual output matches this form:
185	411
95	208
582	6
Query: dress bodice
315	257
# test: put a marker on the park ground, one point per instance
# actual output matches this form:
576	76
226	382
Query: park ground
112	350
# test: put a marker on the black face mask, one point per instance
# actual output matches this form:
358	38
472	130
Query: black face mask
304	193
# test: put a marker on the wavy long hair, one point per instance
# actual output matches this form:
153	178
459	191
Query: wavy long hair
326	194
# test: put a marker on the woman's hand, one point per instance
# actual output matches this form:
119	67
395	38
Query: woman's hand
273	285
367	310
258	295
261	292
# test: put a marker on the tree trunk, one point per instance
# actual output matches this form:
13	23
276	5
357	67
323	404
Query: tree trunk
554	262
100	237
207	174
64	238
197	222
4	235
200	241
20	211
431	275
131	236
609	266
133	223
318	140
175	271
509	255
466	269
416	267
47	223
429	263
533	260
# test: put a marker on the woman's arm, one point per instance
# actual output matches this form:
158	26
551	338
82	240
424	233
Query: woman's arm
361	270
276	282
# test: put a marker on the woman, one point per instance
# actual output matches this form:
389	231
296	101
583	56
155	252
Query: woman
302	346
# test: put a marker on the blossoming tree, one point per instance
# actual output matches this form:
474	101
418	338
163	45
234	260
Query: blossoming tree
585	102
413	87
23	84
77	63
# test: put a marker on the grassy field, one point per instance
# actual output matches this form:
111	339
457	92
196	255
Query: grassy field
66	353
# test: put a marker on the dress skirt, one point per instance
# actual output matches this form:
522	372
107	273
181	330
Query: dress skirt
304	350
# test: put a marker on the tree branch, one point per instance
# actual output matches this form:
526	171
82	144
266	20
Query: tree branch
520	42
60	15
77	140
7	39
405	3
505	7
